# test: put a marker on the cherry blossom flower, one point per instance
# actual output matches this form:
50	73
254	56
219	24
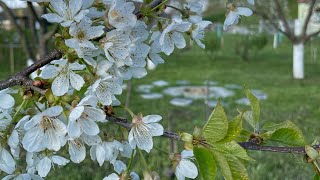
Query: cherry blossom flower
154	54
44	130
82	33
77	150
251	2
194	6
6	100
62	72
119	166
83	117
172	36
139	33
88	55
186	168
7	163
198	32
25	176
105	68
114	176
115	47
142	131
37	1
66	14
121	14
17	134
43	164
138	55
106	151
127	150
235	14
104	89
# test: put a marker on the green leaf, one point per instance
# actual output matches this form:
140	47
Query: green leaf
255	106
316	177
234	129
222	164
249	119
231	167
217	126
206	162
286	124
289	137
286	133
232	148
238	169
244	136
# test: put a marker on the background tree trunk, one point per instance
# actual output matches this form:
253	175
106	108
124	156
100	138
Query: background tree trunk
298	60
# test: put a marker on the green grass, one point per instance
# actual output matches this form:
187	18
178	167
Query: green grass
269	71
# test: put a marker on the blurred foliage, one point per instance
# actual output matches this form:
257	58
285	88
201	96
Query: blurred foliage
249	45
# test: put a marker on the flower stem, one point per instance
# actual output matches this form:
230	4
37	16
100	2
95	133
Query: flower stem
88	67
144	162
35	104
162	151
131	160
129	111
175	9
65	103
152	10
19	109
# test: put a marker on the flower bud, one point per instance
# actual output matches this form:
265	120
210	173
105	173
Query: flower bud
50	97
186	137
188	146
197	133
312	153
27	95
150	175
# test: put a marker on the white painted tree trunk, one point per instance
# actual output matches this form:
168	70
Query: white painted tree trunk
298	61
298	53
275	41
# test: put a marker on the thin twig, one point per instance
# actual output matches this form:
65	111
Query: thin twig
22	78
307	20
246	145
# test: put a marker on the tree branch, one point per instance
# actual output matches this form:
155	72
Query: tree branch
274	25
246	145
283	19
22	78
308	37
307	20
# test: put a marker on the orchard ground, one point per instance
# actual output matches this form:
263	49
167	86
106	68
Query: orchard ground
268	70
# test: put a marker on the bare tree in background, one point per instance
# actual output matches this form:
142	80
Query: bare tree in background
297	34
38	37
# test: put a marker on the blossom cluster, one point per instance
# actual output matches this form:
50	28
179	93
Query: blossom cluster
106	43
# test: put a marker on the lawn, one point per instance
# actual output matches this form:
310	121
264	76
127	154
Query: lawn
269	71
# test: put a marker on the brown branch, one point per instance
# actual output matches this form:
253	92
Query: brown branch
294	150
271	20
283	19
246	145
51	33
307	20
308	37
22	78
